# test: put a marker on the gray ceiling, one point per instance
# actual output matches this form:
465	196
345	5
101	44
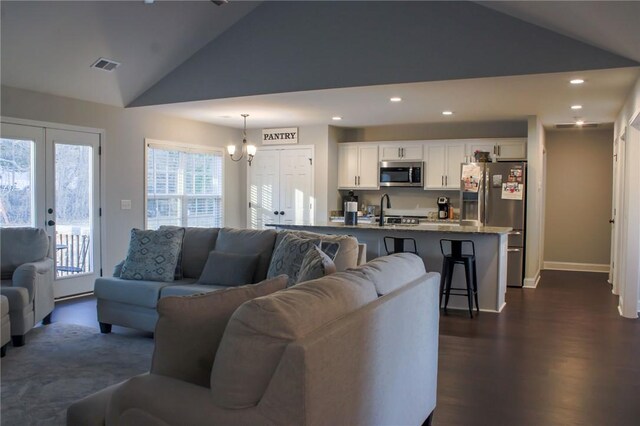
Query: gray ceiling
179	51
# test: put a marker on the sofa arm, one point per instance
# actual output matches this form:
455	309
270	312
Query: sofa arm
28	275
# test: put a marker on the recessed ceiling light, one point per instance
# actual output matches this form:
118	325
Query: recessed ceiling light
336	118
576	106
579	122
576	81
447	112
395	99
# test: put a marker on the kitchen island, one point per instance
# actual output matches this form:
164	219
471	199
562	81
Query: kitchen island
490	244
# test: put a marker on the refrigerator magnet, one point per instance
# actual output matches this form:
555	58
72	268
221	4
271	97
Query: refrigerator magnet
512	191
496	181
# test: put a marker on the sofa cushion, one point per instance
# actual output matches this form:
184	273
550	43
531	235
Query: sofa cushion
228	269
316	264
141	293
347	255
153	255
259	331
249	241
287	257
19	246
189	289
196	245
189	329
388	273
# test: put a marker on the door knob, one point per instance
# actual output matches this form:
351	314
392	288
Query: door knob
50	210
51	223
276	213
282	213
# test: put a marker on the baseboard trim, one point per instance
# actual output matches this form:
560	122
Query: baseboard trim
531	282
578	267
505	304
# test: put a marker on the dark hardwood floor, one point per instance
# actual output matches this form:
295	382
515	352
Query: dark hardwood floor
557	355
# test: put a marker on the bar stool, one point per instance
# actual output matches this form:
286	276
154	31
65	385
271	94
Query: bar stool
400	245
464	252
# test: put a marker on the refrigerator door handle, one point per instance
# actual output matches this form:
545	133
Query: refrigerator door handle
515	233
514	249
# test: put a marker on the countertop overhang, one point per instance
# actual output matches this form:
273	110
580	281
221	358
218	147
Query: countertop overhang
463	229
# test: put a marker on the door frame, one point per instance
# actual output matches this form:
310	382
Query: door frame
283	148
101	176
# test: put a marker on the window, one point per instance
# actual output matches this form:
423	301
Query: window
17	177
184	186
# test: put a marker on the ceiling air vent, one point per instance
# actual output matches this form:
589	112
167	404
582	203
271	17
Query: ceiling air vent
575	126
105	64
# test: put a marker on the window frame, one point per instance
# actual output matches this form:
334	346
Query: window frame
190	148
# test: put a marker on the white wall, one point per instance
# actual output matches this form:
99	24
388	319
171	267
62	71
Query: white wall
535	202
628	257
123	155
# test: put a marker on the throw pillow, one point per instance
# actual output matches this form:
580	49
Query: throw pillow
316	264
230	269
153	255
178	275
330	249
287	257
190	328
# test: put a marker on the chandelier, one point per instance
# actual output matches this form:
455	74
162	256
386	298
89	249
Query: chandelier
249	150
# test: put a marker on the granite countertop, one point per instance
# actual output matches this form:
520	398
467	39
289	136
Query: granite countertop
409	228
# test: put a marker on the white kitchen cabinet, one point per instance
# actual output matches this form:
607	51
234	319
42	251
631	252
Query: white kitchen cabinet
442	161
358	166
401	152
503	148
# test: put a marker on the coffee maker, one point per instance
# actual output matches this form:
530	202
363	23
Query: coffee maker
443	207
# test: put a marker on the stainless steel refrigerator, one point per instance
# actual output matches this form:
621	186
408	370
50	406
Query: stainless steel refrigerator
494	194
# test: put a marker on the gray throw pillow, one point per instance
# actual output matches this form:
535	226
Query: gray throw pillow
230	269
287	257
316	264
153	255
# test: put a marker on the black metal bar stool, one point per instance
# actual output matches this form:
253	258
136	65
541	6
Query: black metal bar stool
400	245
464	252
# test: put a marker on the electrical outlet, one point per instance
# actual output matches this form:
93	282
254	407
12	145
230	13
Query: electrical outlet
125	204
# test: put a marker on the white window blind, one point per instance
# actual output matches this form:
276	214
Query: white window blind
184	186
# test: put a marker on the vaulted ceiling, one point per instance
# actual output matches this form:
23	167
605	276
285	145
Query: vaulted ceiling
309	60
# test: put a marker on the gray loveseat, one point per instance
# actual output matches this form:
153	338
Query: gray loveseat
353	348
133	304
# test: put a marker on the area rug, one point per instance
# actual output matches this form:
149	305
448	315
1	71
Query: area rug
62	363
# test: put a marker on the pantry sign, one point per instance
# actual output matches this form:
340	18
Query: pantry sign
285	136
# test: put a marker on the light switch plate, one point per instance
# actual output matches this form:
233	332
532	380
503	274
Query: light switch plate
125	204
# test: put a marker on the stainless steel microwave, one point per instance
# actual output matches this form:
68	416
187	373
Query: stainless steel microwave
401	173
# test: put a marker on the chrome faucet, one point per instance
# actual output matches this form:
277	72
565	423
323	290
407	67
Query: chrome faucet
382	208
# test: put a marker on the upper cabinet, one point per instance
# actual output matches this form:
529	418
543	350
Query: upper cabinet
443	160
401	151
358	166
503	148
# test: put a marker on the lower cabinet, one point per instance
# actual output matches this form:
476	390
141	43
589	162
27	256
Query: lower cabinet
280	187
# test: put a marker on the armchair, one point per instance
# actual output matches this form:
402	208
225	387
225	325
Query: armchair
27	274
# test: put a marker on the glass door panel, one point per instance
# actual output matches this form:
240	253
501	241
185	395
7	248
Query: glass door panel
72	209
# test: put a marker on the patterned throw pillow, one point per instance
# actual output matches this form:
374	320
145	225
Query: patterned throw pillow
316	264
153	255
178	275
287	257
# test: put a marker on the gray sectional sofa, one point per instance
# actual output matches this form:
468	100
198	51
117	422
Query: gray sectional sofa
132	303
353	348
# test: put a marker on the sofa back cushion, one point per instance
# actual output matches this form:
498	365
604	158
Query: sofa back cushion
197	244
19	246
228	269
347	255
259	331
388	273
248	241
190	328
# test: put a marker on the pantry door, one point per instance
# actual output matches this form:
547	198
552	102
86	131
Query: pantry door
263	189
296	170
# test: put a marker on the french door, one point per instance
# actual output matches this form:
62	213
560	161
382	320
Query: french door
280	188
49	178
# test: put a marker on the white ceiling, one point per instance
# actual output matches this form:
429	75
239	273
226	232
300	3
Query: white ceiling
48	47
549	96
